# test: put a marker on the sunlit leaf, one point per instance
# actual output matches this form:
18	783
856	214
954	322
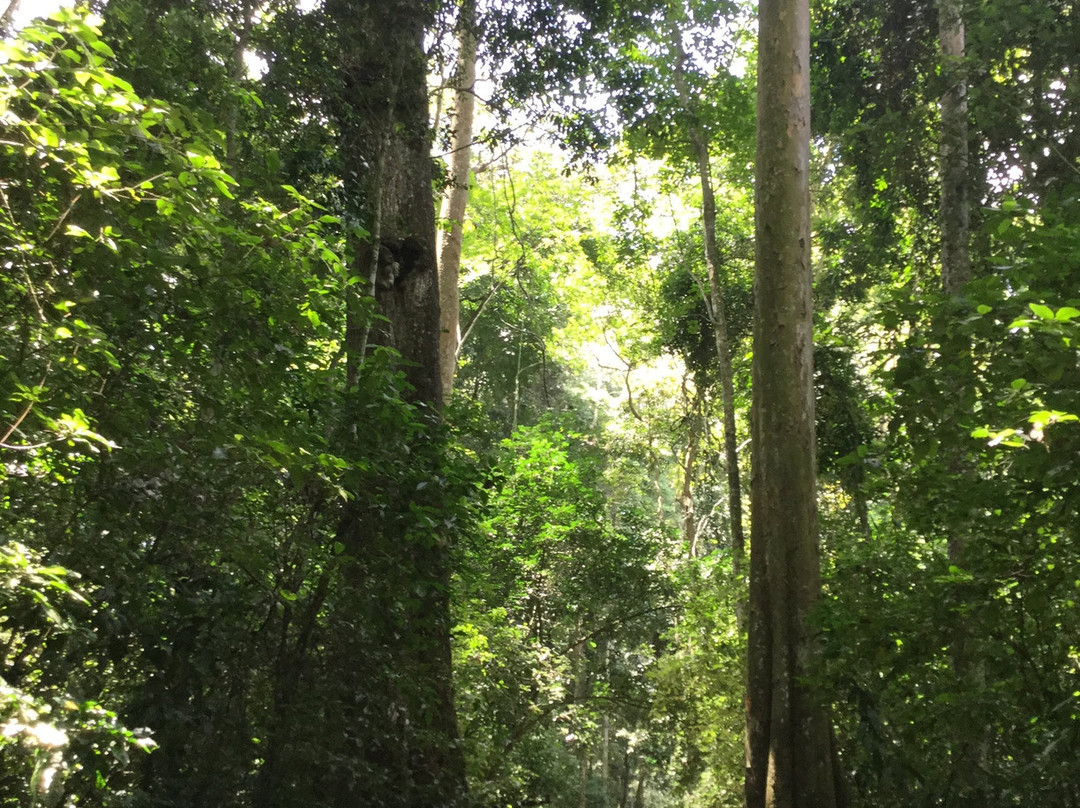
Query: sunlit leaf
1041	311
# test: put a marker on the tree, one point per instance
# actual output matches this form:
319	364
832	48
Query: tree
457	196
790	762
717	305
410	745
955	215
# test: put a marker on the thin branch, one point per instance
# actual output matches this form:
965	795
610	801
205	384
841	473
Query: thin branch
480	310
610	624
63	216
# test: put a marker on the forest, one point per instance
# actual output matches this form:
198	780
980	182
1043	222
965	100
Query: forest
513	403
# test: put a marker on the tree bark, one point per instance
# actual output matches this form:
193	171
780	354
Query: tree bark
955	215
237	72
790	762
455	201
955	272
687	511
393	634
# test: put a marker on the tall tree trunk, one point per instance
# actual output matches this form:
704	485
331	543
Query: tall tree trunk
400	725
723	353
955	216
790	762
717	310
581	696
458	196
955	272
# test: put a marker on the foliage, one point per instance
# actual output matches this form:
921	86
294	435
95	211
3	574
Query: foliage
51	741
203	531
554	626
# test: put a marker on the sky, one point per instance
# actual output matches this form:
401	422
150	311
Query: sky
28	9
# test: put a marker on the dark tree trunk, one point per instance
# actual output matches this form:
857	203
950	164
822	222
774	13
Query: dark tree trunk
400	743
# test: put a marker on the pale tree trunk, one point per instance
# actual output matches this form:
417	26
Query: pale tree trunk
687	511
955	272
955	216
581	695
790	762
717	311
237	71
455	201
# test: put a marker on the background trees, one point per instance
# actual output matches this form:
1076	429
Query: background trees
240	534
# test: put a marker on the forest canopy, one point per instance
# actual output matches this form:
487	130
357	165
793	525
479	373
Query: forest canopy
611	404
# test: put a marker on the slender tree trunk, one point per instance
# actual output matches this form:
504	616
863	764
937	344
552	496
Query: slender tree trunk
718	312
955	215
581	695
723	353
625	780
790	762
358	323
455	201
688	514
955	272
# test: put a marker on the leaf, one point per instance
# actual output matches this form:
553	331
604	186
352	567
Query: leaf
1066	313
1046	417
1007	437
1041	311
102	48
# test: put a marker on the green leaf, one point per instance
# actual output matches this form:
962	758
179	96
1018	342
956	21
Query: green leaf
1041	311
1066	313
